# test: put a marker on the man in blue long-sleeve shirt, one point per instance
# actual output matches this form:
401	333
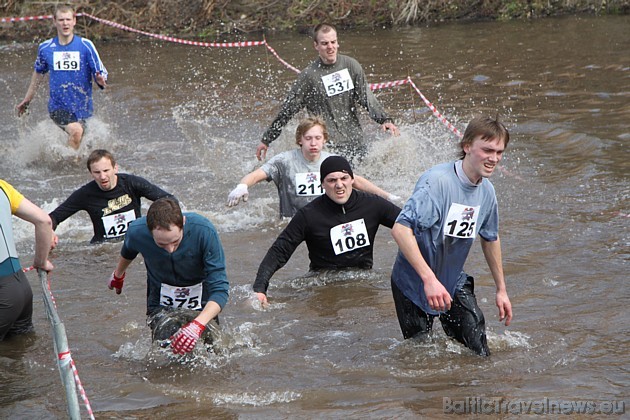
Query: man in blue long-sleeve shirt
185	266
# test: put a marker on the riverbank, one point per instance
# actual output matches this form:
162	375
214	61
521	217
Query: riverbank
212	18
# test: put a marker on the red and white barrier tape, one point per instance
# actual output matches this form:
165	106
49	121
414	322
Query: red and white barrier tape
66	358
376	86
373	86
280	59
173	39
435	111
25	19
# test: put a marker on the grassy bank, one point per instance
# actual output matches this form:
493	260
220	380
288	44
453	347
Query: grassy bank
209	18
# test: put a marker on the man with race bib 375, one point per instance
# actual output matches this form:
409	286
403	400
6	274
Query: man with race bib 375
185	266
73	63
333	87
338	227
296	172
112	200
451	204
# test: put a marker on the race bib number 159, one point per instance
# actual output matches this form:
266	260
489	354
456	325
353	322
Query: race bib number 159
66	60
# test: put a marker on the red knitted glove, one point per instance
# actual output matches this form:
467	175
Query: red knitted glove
184	340
116	282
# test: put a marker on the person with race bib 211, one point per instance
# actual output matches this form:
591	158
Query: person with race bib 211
296	172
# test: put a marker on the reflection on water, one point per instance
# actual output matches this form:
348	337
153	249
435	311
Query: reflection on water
189	120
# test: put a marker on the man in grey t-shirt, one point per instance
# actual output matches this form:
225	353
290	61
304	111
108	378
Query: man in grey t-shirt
296	172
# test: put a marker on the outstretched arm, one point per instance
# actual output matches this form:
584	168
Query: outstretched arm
363	184
437	296
43	232
36	80
492	252
241	191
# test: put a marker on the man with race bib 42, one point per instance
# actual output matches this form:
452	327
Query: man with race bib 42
112	200
338	227
451	204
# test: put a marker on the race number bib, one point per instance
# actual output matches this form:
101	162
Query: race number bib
116	224
349	236
461	221
337	82
308	184
187	297
66	60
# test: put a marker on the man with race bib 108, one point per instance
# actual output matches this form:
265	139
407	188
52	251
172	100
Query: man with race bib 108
112	200
73	63
338	227
451	204
296	172
185	266
334	87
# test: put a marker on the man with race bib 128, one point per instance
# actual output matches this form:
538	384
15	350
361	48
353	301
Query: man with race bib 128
112	200
296	172
338	227
451	204
73	63
333	87
185	266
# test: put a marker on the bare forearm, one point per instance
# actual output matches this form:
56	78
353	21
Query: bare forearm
363	184
210	311
493	255
122	266
253	177
36	80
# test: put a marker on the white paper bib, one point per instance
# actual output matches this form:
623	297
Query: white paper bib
307	184
347	237
116	224
187	297
461	221
337	82
66	60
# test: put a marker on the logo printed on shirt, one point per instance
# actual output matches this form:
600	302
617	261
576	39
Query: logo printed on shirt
117	204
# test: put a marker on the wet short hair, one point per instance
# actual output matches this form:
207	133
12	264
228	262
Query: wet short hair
97	155
63	8
163	213
308	123
323	28
488	128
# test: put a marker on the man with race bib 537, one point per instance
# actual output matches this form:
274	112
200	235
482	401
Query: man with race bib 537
333	87
73	63
112	200
338	227
296	172
451	204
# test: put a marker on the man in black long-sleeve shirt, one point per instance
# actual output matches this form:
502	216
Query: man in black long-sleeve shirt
112	200
338	227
